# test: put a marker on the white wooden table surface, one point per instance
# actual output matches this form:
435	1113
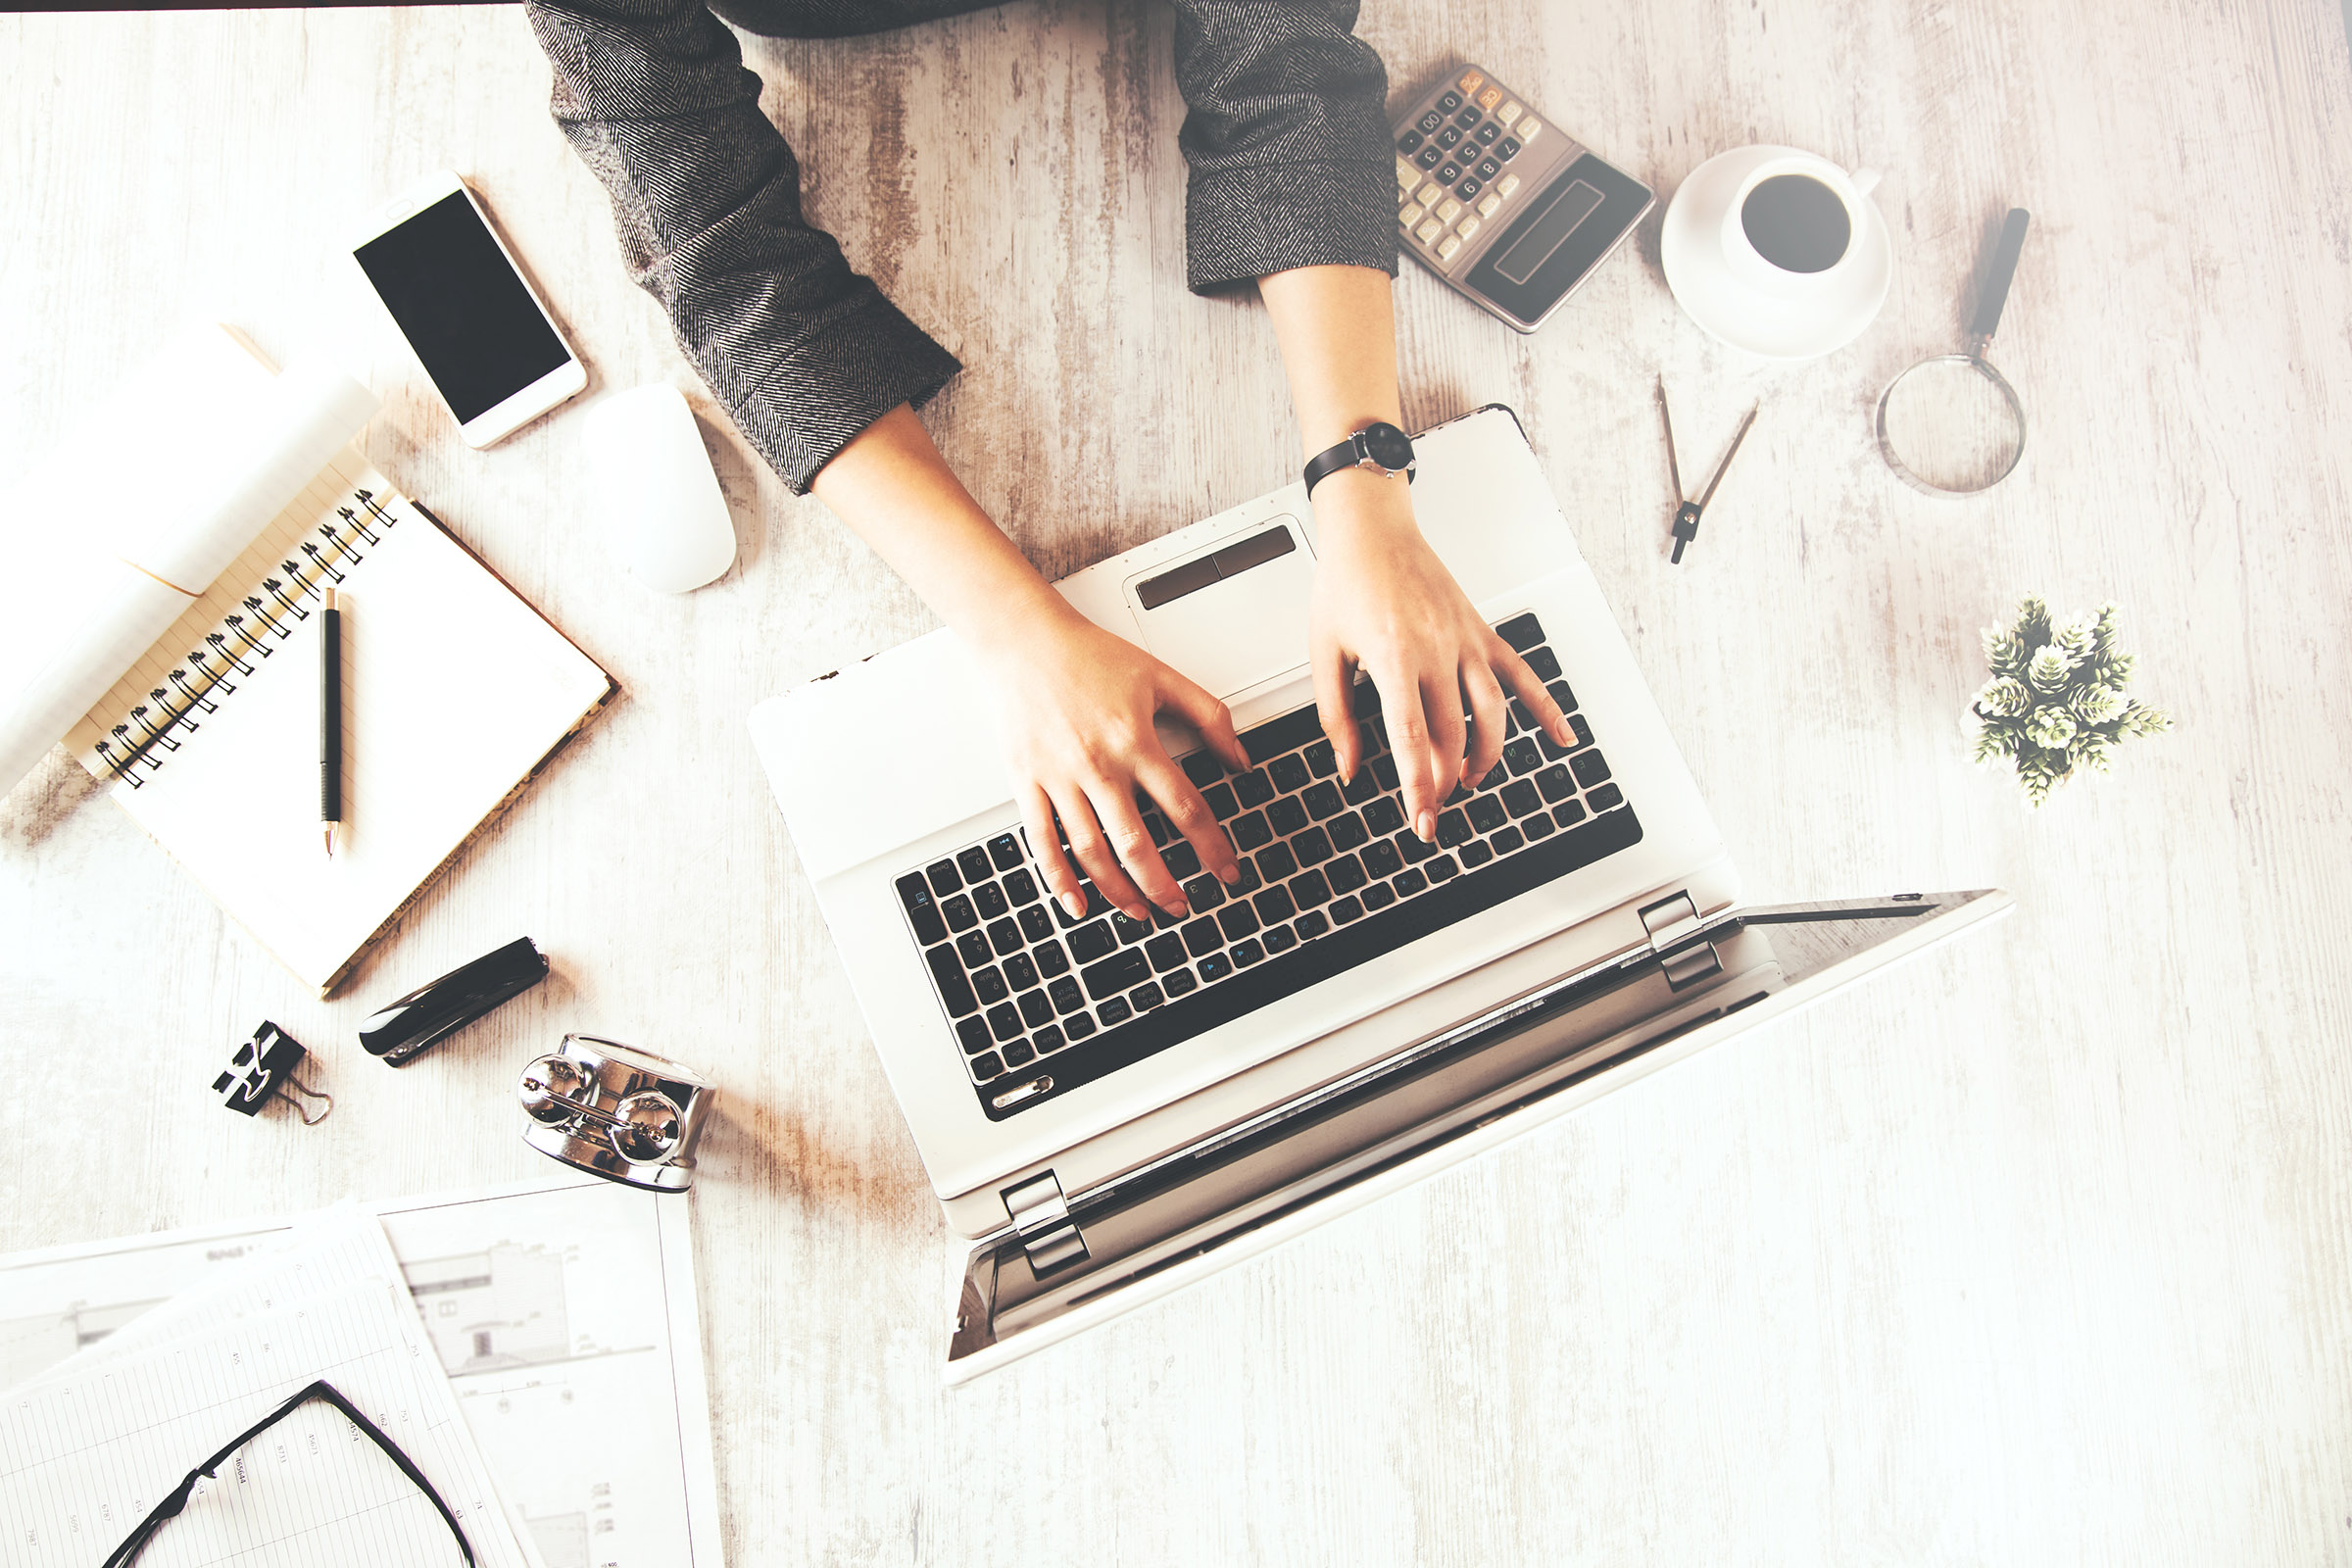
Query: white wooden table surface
2036	1251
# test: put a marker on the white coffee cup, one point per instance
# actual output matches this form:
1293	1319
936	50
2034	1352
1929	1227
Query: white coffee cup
1810	259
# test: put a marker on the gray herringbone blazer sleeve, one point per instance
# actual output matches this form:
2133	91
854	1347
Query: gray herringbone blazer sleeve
803	352
1286	139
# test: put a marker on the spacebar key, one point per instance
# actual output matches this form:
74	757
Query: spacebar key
953	989
1116	973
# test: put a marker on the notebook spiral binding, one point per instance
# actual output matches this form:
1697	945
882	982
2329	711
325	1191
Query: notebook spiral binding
153	729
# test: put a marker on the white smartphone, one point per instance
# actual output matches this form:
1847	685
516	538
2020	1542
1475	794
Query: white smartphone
479	328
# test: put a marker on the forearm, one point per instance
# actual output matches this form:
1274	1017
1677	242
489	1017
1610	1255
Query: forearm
1338	332
894	489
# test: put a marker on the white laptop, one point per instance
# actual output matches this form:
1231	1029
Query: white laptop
1108	1110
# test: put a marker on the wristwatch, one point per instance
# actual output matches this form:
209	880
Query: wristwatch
1379	446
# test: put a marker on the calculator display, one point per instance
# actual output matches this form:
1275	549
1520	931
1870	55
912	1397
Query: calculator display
1501	203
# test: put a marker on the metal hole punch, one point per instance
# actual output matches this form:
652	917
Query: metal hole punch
263	1067
1687	513
615	1111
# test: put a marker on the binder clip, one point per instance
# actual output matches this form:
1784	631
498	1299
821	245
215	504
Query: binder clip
265	1066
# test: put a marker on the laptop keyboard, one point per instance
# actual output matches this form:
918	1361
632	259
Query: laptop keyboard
1332	877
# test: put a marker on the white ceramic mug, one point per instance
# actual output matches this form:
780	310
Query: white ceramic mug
1752	267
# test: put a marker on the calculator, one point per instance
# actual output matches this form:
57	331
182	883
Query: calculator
1502	203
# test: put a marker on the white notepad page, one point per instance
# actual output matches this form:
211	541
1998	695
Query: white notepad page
454	690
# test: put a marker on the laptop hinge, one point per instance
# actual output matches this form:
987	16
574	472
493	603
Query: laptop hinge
1042	1216
1678	941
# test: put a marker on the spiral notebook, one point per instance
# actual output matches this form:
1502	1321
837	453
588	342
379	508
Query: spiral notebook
455	691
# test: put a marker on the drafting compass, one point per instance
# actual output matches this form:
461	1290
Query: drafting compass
1686	513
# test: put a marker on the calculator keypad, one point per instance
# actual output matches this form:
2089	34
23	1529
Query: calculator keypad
1450	153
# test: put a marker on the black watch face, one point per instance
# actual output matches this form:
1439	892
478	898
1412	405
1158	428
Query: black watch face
1388	446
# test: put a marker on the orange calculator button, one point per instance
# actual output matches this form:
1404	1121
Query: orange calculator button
1489	98
1472	80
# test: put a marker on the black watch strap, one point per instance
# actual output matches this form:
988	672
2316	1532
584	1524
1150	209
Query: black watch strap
1381	446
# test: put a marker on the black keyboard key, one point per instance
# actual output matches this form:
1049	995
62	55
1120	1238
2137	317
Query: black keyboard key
1203	894
922	910
1382	860
1519	797
1288	773
1378	896
1287	815
1201	936
1442	869
1556	783
944	878
1249	831
1091	942
1507	148
1383	769
1561	695
1522	632
1021	888
1486	813
1079	1025
1216	966
1410	883
1127	930
1181	983
1321	761
1508	840
1468	118
1309	889
1412	847
1552	750
1067	998
1035	924
972	947
1590	768
1582	731
1544	663
1568	813
989	898
1005	1019
1165	951
1487	133
973	1032
1383	816
1361	788
1313	925
1156	825
1428	156
1345	874
1146	997
1538	827
1345	909
1221	804
1475	854
1348	832
986	1067
1096	904
1004	936
974	864
1494	777
1049	958
1274	906
1036	1010
1294	730
1429	123
1521	757
1020	971
1607	798
1363	699
1253	788
1451	137
1116	973
1020	1054
1282	939
1486	169
1470	184
1312	847
1237	919
1448	104
1204	769
1276	863
961	917
1322	800
1449	171
1453	828
1247	952
1006	851
1182	861
1247	882
989	984
1115	1011
1048	1037
1409	142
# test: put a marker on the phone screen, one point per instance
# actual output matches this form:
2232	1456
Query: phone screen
462	306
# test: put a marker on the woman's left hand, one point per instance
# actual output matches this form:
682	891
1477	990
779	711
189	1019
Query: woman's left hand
1385	604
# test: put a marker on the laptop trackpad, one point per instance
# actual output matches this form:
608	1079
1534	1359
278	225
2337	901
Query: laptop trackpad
1235	615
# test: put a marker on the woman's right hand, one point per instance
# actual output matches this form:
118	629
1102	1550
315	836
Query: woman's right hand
1077	705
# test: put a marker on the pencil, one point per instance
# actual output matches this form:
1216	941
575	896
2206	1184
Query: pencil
330	718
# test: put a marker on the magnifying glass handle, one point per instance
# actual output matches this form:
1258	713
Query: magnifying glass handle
1996	281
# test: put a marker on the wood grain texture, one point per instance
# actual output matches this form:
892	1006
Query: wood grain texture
2037	1252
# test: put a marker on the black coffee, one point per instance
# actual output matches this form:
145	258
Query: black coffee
1796	223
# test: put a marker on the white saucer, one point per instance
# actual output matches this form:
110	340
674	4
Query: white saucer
1728	308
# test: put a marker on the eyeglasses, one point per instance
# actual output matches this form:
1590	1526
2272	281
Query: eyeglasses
178	1499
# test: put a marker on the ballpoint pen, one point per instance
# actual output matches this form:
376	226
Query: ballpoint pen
330	718
1686	513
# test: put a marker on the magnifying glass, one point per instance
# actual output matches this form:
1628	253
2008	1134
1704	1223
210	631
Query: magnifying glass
1952	426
